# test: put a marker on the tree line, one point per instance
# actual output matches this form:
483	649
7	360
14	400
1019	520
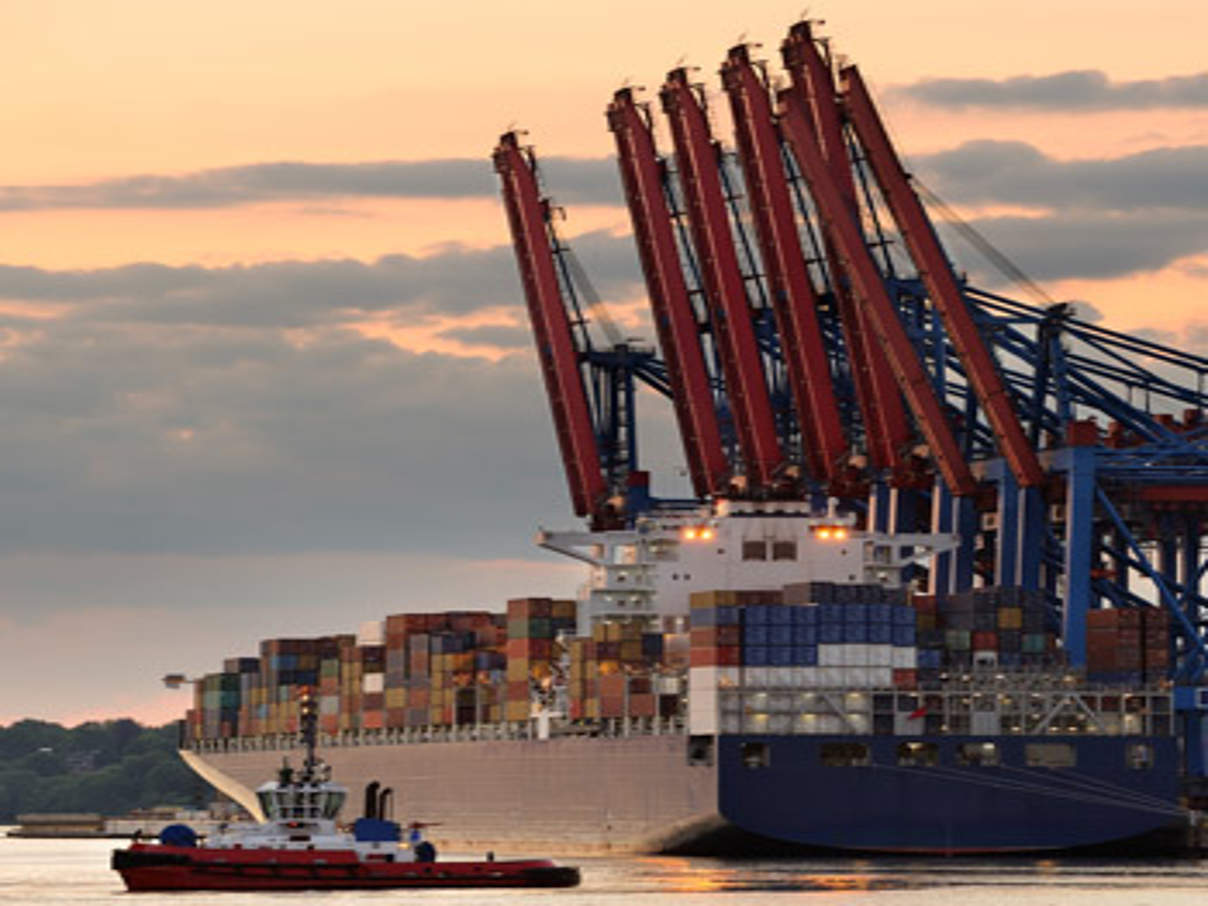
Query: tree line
108	767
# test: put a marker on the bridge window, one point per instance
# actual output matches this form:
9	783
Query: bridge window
784	550
756	755
977	754
1139	756
918	754
1050	755
844	754
754	550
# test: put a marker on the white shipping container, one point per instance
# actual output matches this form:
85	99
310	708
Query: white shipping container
702	721
371	632
780	677
729	677
670	685
373	682
755	677
832	677
830	655
731	723
806	677
730	702
905	658
856	677
702	679
881	677
880	655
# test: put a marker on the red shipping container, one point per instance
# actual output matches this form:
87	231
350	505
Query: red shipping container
729	635
518	691
985	641
372	720
612	706
703	657
703	637
641	705
612	686
729	656
905	679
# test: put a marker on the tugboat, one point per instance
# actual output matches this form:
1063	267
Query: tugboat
300	846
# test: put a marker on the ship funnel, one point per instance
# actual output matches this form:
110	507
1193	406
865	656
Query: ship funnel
371	799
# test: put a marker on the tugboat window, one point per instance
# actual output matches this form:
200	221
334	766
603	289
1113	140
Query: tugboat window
918	754
756	755
844	754
1050	755
977	755
1139	756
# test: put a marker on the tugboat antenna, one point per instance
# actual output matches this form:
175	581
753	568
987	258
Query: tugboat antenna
308	723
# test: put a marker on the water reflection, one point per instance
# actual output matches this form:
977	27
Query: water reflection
667	874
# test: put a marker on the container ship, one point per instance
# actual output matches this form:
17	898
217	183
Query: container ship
828	708
937	586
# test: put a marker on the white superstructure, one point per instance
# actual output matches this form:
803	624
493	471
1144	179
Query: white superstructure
651	569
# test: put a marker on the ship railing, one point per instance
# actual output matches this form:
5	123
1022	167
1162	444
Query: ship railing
614	727
958	711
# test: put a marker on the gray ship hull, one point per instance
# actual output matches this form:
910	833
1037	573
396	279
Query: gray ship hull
564	795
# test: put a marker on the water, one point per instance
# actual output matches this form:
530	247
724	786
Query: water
77	872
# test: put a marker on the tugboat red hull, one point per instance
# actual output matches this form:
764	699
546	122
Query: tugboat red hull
148	867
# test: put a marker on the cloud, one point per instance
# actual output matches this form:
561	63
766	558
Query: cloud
569	180
1085	245
498	335
1016	173
1076	90
453	280
213	411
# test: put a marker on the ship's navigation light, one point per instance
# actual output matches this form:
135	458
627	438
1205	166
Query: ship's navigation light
698	533
707	534
831	532
690	533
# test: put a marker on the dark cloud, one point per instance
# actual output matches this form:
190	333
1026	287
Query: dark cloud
569	180
1018	173
454	280
219	411
1078	90
1085	245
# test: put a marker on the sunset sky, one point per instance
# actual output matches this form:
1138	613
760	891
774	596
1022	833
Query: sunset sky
264	368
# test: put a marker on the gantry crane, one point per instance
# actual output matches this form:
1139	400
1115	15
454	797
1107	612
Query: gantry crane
1069	458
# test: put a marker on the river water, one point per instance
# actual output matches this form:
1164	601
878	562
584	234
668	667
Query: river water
37	872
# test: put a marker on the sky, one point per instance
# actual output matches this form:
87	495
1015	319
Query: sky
264	364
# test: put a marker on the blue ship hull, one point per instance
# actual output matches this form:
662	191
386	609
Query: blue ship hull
788	794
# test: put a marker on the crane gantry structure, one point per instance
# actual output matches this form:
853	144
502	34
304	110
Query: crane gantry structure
816	341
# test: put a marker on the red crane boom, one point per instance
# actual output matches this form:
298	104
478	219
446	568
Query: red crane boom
528	216
870	293
697	159
793	298
886	426
674	319
936	273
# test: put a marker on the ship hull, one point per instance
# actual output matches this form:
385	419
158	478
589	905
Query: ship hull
649	794
174	868
944	808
